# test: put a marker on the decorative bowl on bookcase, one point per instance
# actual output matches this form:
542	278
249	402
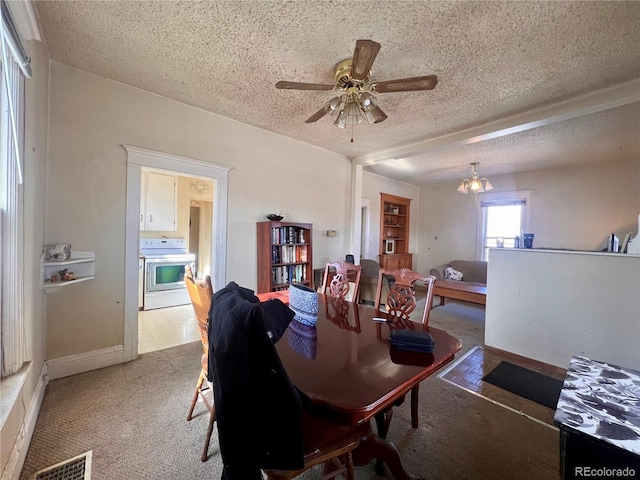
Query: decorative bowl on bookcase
275	217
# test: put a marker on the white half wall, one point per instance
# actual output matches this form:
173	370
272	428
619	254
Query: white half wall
550	305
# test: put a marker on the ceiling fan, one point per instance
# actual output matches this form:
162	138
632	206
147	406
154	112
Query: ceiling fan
355	102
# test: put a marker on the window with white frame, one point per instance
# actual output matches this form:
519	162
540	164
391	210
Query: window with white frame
14	66
503	219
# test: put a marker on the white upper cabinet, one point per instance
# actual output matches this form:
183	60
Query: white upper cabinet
158	201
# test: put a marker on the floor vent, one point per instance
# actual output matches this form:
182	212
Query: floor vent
76	468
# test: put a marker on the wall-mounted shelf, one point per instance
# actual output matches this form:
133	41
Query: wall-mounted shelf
82	264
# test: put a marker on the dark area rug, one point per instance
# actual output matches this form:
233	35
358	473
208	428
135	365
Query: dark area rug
532	385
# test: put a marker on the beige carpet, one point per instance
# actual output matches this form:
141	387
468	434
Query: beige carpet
133	417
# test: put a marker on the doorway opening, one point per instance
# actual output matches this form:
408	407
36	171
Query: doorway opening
137	160
163	320
365	226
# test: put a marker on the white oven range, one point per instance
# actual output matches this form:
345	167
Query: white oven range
165	260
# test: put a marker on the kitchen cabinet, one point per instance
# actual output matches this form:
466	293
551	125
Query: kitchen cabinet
158	202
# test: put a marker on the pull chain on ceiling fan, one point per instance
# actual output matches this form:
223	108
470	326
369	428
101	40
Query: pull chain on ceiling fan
355	103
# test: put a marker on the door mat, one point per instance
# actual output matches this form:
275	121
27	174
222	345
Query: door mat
526	383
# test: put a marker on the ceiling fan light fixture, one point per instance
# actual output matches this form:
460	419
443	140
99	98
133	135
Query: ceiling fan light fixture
356	103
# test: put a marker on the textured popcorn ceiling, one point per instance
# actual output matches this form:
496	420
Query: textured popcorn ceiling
500	65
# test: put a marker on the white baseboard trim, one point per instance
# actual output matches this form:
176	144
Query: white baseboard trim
15	463
84	362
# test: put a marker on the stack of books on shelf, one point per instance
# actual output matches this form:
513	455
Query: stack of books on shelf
289	274
288	253
290	235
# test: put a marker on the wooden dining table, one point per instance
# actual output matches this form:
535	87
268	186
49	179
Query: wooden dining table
345	367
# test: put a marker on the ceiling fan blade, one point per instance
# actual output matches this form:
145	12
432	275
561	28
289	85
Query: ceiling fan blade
379	115
407	84
363	57
303	86
316	116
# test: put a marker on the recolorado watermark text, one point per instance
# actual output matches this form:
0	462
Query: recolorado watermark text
605	472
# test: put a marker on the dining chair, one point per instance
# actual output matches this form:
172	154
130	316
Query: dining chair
400	303
338	278
324	441
263	422
201	293
401	300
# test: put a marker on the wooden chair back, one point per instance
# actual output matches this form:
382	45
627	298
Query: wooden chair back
337	278
201	294
401	299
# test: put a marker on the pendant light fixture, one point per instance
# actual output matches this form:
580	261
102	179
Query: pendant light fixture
474	184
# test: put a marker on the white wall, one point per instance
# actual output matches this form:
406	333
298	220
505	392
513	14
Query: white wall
552	305
372	186
21	405
91	118
570	208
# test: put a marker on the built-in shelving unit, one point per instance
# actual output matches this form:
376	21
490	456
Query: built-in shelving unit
82	264
284	255
394	232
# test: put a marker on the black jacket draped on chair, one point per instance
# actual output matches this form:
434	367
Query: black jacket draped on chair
258	410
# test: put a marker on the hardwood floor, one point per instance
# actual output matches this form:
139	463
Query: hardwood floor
467	373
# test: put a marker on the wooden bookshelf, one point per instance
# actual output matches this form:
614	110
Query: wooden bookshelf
394	232
284	255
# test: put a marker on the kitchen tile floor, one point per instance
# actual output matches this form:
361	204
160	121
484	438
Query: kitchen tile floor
166	327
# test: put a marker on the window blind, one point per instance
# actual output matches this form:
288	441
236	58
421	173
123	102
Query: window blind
510	202
12	41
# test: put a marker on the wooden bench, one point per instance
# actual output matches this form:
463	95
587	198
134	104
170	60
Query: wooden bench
465	291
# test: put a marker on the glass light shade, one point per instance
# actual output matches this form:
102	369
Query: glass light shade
349	115
368	100
341	121
462	188
475	185
370	109
353	113
487	184
332	105
369	116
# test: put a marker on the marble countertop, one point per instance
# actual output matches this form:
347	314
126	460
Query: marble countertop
602	401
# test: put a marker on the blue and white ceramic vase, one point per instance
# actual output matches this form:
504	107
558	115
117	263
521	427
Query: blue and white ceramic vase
304	302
